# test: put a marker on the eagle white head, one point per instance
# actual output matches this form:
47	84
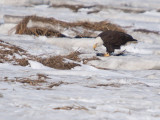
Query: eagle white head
98	42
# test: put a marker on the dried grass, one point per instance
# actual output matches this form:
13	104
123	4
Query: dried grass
146	31
132	11
71	108
1	95
86	60
22	27
22	62
93	11
30	81
158	10
74	8
14	48
98	26
42	76
58	62
110	84
126	10
8	49
73	56
27	80
54	84
88	26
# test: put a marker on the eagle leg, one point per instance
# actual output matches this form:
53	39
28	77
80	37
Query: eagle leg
106	55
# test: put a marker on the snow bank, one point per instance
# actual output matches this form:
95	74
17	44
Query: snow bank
141	56
128	63
84	45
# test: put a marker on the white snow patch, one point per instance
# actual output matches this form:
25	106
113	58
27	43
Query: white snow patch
83	44
128	63
5	28
37	65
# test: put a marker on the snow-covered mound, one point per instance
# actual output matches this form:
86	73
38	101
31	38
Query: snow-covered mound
129	63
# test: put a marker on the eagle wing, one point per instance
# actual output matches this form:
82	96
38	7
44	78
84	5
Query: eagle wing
114	39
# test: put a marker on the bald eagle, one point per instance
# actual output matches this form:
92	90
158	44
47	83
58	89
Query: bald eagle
112	40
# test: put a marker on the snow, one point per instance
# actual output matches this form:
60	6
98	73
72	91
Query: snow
118	87
37	65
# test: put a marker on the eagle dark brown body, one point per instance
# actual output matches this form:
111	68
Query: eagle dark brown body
114	39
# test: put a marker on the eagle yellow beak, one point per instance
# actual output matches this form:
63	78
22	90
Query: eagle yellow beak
94	46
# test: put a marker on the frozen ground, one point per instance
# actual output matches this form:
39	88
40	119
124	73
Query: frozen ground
124	87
